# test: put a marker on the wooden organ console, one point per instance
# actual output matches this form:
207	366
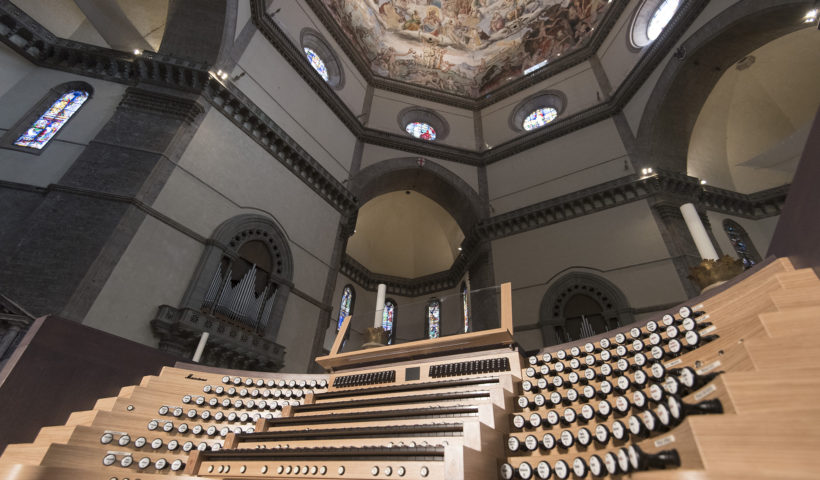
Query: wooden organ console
722	389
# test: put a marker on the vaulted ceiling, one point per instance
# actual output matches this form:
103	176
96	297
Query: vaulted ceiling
467	48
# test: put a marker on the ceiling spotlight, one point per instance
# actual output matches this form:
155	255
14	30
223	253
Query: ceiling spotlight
811	16
221	74
459	249
703	182
137	51
646	170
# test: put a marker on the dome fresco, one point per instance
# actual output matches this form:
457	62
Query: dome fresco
464	47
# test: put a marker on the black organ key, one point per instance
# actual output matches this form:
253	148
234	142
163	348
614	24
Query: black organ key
639	460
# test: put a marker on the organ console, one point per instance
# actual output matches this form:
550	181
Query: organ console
681	393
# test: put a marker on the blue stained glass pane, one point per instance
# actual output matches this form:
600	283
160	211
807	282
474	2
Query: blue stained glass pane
344	308
433	320
421	130
317	63
388	318
539	118
42	130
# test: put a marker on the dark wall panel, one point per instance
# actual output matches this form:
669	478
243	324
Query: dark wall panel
62	366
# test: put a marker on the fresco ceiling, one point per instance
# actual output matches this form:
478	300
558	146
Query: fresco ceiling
464	47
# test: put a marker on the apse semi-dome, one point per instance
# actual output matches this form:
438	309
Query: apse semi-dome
650	19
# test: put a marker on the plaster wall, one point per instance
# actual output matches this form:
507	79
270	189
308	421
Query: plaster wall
154	270
616	53
384	115
292	18
223	173
23	87
569	163
299	324
622	245
283	95
578	84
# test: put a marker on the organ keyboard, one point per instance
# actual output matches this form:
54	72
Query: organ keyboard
721	389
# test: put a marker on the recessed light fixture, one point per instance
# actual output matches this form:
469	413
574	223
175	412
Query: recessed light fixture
137	51
646	170
703	182
811	16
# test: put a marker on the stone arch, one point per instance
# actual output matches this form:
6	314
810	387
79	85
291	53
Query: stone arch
614	305
201	30
426	177
690	76
226	242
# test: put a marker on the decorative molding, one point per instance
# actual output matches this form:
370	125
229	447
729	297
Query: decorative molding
138	99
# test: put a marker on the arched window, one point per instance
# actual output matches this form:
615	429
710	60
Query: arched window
465	306
389	319
745	249
346	306
34	131
651	17
583	317
537	111
432	324
423	123
321	57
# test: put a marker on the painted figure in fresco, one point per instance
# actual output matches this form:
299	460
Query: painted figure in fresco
413	23
431	23
497	22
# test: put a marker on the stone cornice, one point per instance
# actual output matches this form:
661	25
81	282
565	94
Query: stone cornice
649	60
32	41
666	190
526	81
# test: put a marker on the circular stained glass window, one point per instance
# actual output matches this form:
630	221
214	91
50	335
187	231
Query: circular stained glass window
421	130
663	14
317	63
539	118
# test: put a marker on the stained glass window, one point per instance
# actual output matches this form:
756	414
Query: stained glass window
539	118
389	319
421	130
434	319
43	130
465	308
742	244
346	307
663	14
317	63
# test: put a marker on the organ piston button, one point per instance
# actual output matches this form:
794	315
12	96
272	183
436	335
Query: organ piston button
587	412
400	471
124	440
373	471
341	470
596	466
139	442
127	461
160	464
601	433
611	463
152	425
424	471
543	470
156	443
584	437
106	438
173	445
567	439
548	441
109	459
525	470
579	467
513	443
552	417
176	465
561	469
506	471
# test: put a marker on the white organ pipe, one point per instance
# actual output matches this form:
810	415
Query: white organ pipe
380	294
698	231
199	348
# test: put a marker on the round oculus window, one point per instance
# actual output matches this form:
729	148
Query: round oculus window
317	63
539	117
660	18
421	130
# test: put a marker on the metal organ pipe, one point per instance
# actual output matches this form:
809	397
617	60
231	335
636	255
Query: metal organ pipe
213	289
